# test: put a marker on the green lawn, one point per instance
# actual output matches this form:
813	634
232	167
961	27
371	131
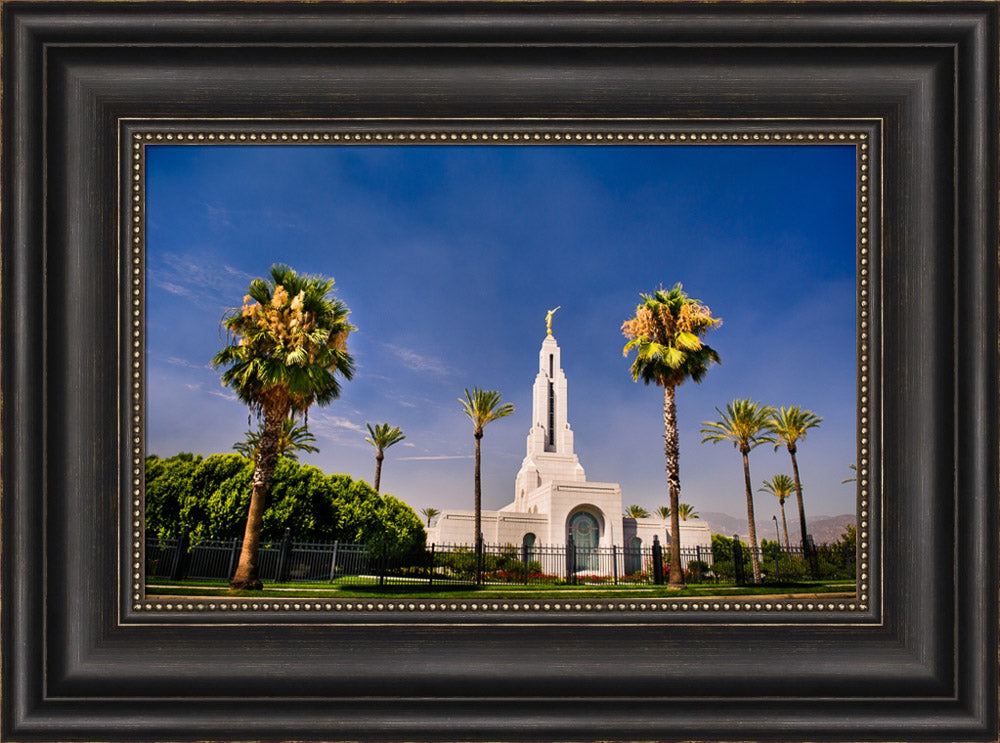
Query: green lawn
443	591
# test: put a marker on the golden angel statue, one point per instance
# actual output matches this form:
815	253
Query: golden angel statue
548	320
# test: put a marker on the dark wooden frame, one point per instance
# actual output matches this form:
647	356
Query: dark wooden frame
79	663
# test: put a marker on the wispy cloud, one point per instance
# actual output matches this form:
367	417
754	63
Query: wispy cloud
219	216
419	362
186	364
241	275
224	395
200	278
332	425
172	288
339	422
435	458
197	387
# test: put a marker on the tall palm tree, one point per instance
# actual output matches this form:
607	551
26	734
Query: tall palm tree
781	486
666	333
287	349
790	426
637	512
429	513
663	512
292	438
747	425
686	511
482	407
382	437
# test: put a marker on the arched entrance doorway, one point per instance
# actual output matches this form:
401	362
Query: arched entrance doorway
586	533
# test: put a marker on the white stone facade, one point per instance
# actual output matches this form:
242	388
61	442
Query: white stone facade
551	493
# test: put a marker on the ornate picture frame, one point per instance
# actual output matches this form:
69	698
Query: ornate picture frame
87	656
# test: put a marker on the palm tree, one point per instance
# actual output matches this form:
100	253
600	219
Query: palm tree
292	438
429	513
789	426
482	407
637	512
852	478
287	349
666	334
663	512
686	511
781	486
382	437
747	425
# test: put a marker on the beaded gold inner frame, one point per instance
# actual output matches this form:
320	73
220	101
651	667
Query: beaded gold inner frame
137	136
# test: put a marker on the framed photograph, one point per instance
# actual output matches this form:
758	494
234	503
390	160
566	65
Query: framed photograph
484	182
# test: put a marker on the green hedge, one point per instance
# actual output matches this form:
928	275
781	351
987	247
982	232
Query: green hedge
211	497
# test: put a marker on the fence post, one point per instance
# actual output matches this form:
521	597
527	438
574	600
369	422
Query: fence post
738	572
234	555
524	561
657	561
570	559
697	557
180	555
430	578
614	561
333	561
812	556
479	559
286	548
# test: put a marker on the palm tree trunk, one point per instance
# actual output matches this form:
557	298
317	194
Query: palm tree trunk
671	449
246	577
479	507
378	468
754	561
784	525
798	495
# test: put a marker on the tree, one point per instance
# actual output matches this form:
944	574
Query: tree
666	333
747	425
382	437
482	407
686	511
790	426
781	486
663	512
429	513
637	512
287	349
292	438
211	496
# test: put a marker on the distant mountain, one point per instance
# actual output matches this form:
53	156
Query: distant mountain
824	529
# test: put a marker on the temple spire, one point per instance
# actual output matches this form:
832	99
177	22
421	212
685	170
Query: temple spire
549	456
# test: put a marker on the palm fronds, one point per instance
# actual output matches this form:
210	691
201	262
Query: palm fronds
744	423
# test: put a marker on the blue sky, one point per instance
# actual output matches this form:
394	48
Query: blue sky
449	256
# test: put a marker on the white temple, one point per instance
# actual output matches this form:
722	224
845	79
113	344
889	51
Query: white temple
552	496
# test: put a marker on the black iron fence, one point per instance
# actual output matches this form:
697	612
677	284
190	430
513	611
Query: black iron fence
287	560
